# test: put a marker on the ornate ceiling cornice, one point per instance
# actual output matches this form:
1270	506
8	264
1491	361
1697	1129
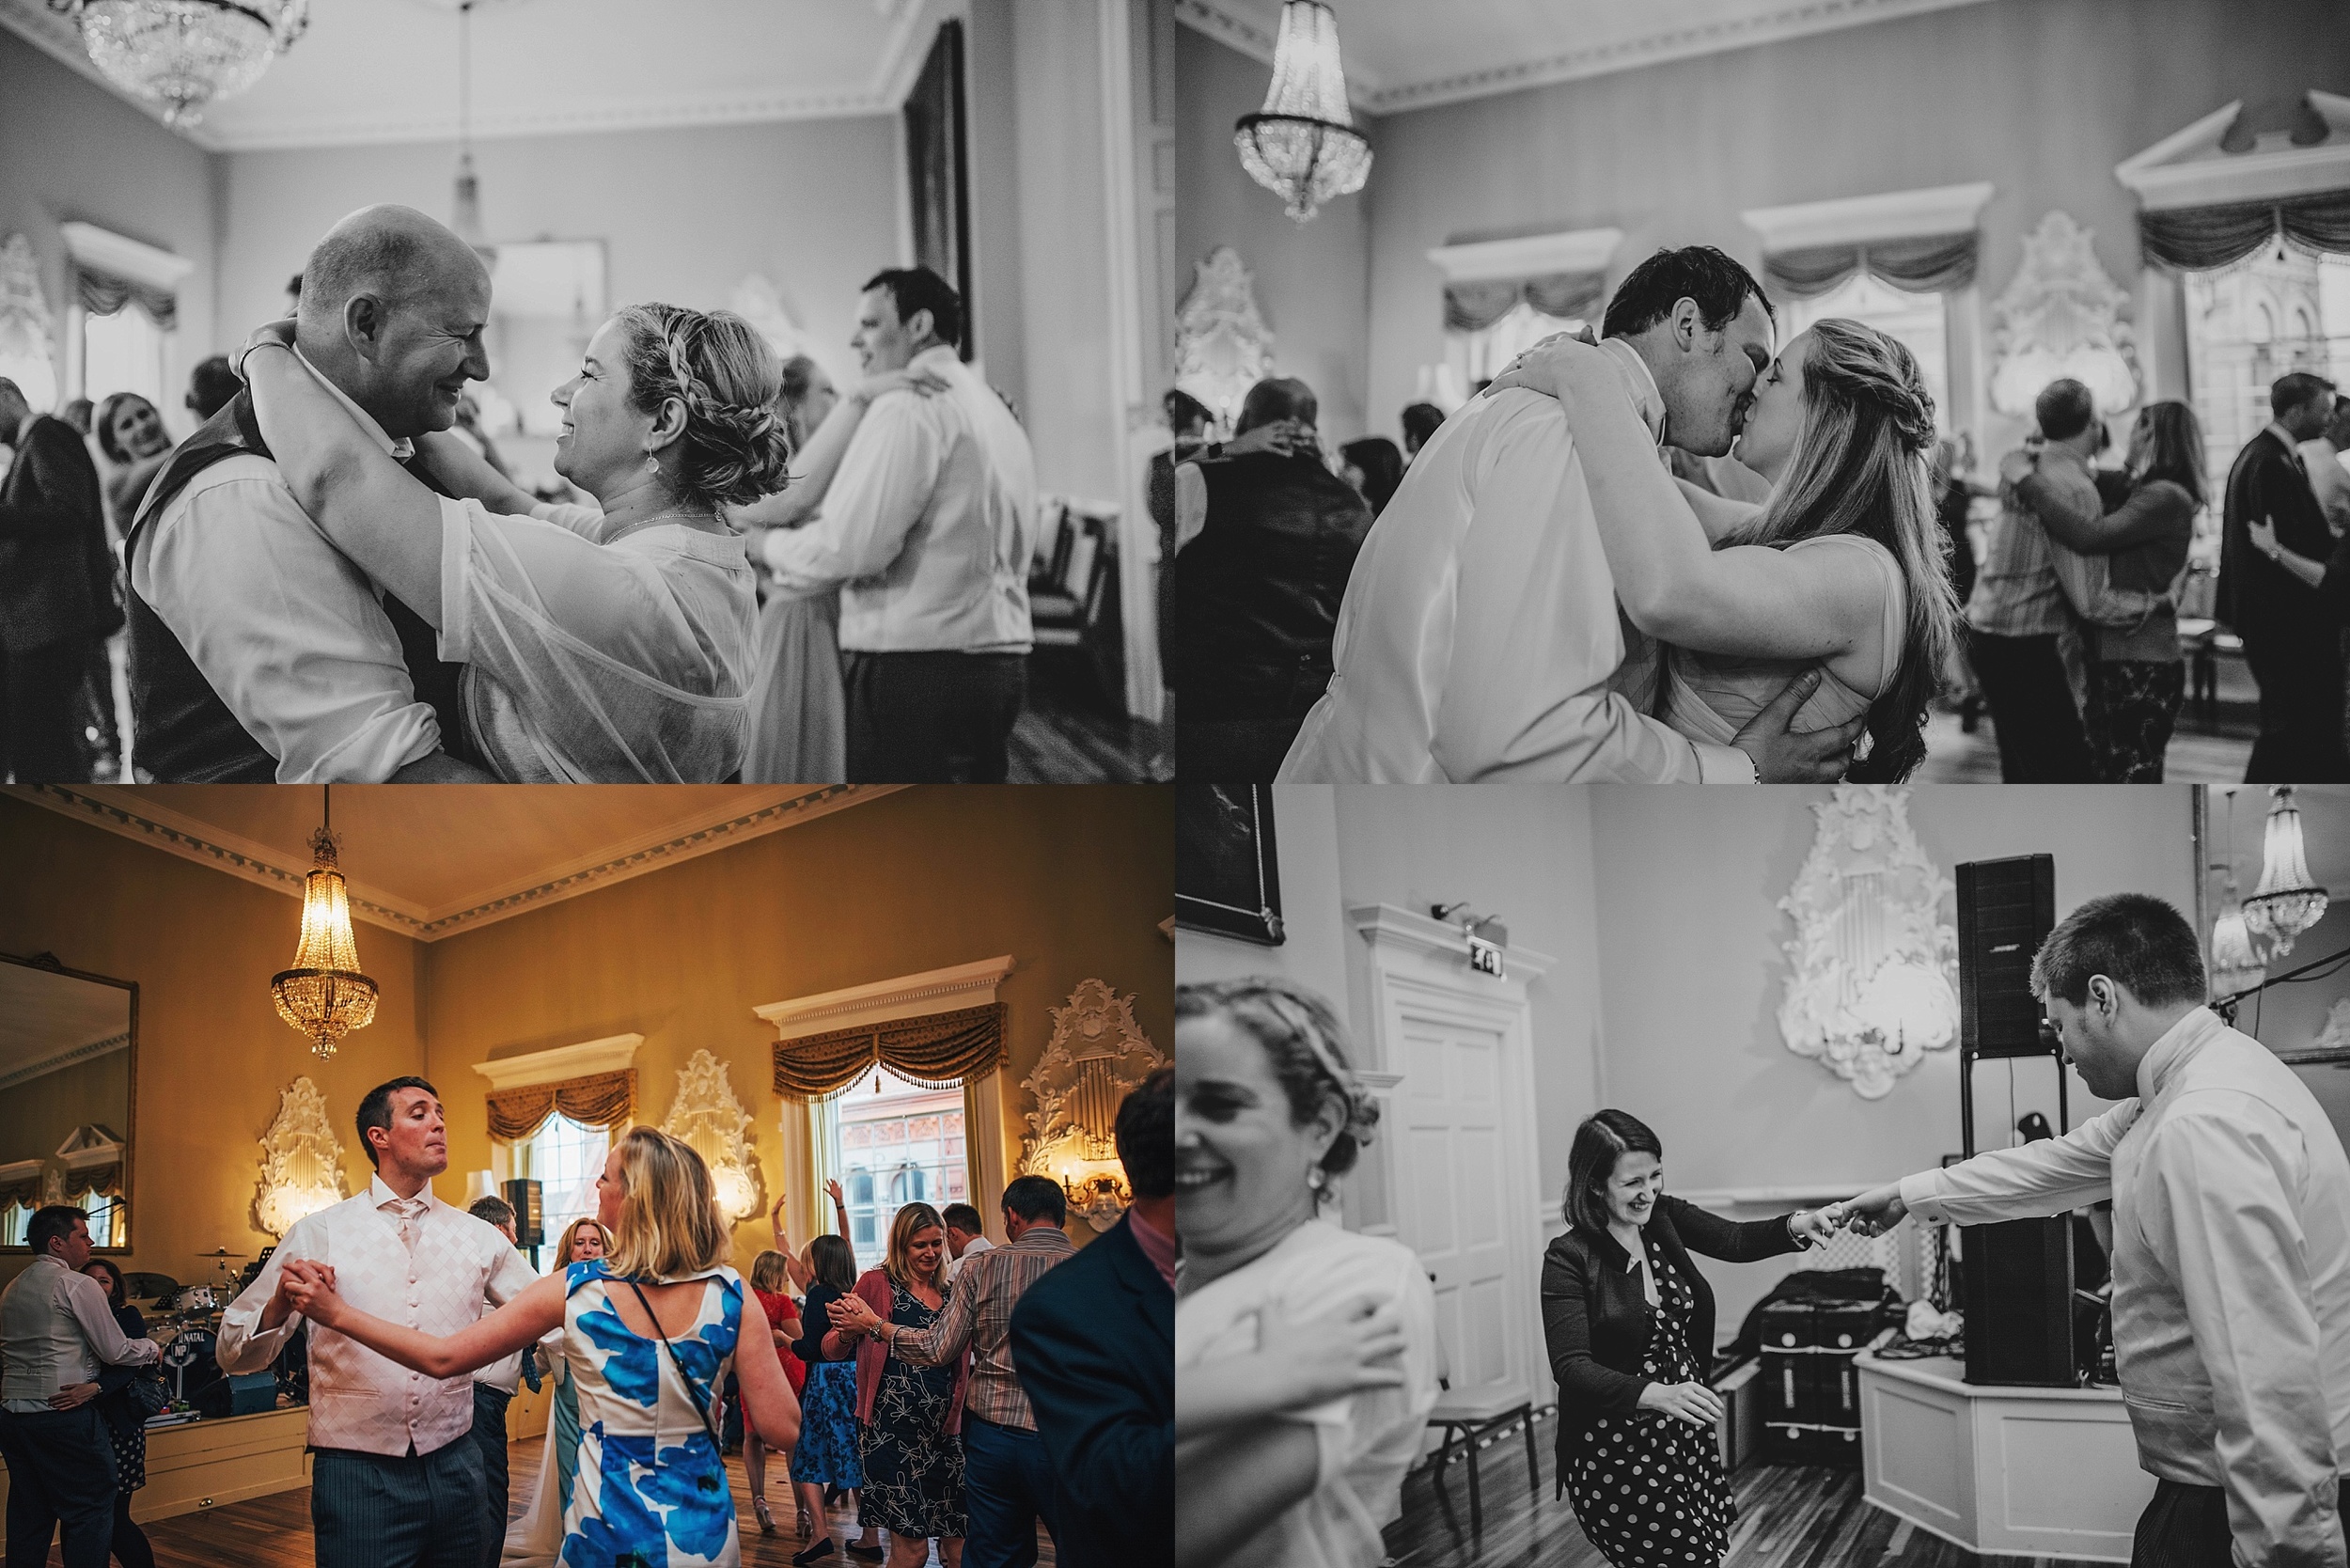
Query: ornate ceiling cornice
128	813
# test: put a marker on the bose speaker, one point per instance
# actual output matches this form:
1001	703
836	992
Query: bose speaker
529	1213
2006	908
2017	1297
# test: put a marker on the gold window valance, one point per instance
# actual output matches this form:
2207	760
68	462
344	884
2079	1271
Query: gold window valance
106	1180
598	1100
22	1190
939	1050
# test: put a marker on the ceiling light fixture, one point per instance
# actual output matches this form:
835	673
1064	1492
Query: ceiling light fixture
185	54
2287	901
325	995
1303	146
466	212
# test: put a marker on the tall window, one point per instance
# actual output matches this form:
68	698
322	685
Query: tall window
122	353
1914	321
565	1159
1471	357
894	1143
2277	311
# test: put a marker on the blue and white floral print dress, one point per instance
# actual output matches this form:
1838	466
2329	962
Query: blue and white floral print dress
651	1488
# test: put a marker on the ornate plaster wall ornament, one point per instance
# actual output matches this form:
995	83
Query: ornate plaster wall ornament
1222	344
29	335
302	1161
1873	966
2335	1036
706	1115
1097	1055
2062	316
757	301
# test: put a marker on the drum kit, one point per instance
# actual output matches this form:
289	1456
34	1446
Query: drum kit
187	1327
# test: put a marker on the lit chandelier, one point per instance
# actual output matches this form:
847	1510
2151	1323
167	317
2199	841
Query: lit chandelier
2287	902
325	995
1304	146
185	54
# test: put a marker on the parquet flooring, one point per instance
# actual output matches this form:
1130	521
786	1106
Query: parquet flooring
274	1531
2197	755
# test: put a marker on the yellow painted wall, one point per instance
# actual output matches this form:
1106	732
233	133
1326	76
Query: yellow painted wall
213	1053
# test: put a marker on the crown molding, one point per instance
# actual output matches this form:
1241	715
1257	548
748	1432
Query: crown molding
1871	219
1578	250
70	1057
945	990
131	813
2188	168
608	1055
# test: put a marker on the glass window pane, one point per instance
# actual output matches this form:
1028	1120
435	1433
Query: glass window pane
122	353
1914	321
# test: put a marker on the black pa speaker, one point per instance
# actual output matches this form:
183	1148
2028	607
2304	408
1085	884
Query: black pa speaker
531	1217
2006	908
2017	1292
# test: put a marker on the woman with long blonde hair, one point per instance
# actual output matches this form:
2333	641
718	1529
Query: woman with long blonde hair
1842	569
910	1418
647	1334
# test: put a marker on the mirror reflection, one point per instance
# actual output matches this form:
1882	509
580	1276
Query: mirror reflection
65	1099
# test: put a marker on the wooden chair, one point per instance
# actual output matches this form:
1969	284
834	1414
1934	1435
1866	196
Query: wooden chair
1075	604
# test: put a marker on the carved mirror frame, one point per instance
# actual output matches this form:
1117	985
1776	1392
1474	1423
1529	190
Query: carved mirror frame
48	964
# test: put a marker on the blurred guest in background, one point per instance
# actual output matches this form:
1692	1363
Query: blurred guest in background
2291	632
211	385
1374	468
56	593
77	414
1420	422
124	1412
493	1389
132	435
2321	454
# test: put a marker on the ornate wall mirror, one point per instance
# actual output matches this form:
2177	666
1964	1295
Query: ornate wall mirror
69	1059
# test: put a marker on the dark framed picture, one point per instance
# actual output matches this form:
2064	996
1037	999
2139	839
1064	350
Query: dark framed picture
1226	876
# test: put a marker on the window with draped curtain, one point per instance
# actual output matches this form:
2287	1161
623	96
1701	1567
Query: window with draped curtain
565	1158
2282	308
125	327
1491	321
1918	321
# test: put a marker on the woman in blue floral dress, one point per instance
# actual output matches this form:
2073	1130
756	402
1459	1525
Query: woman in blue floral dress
648	1336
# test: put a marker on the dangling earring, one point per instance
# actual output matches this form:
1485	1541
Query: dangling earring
1318	1181
652	464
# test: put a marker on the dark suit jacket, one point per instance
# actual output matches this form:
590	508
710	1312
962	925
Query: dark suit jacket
56	573
2259	598
1094	1344
1597	1318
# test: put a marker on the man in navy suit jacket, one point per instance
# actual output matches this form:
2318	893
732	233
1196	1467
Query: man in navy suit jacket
57	592
2292	636
1094	1344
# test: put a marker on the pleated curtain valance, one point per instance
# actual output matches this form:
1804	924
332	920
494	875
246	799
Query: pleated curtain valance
598	1100
2198	238
25	1189
939	1050
1475	306
102	293
1935	264
103	1180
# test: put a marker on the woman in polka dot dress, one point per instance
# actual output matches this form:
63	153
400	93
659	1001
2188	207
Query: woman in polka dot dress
1630	1326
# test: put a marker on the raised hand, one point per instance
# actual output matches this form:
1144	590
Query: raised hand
1870	1214
832	1186
1693	1402
1318	1359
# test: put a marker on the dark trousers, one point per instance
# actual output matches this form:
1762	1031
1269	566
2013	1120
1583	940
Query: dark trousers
375	1511
930	718
1007	1485
2041	738
40	712
2300	712
2186	1527
489	1434
131	1547
1234	751
61	1481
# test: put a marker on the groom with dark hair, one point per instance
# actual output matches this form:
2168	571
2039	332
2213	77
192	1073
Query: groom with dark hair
259	651
1481	640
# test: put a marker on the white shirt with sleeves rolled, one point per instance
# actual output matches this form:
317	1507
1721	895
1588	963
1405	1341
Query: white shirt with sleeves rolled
415	1262
2231	1274
1479	640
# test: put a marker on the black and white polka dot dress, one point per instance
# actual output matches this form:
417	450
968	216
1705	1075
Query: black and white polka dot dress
1648	1488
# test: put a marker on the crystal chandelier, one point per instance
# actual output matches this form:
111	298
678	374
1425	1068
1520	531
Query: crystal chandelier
185	54
325	995
2286	902
1304	146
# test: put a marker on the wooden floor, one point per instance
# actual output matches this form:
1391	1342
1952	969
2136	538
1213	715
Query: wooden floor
2197	754
1071	734
1787	1518
274	1531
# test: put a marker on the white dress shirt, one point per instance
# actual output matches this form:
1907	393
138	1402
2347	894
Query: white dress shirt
2231	1274
928	523
2329	481
416	1262
1479	640
285	627
55	1328
978	1246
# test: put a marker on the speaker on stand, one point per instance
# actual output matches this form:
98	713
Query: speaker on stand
2016	1282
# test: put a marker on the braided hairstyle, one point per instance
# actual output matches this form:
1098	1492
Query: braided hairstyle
735	448
1862	465
1306	1045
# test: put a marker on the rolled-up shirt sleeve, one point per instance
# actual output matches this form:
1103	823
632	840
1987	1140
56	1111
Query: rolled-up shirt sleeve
2216	1202
285	628
86	1299
886	478
2048	1176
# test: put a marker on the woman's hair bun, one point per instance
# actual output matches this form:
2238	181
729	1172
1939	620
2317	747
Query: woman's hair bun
735	447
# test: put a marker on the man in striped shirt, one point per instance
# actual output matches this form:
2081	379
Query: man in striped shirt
1008	1477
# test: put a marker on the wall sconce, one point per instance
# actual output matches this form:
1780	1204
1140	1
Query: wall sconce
1486	935
1098	1196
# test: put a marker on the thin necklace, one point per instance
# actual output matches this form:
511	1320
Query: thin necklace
644	522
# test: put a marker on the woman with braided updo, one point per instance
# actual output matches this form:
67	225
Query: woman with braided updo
606	644
1841	570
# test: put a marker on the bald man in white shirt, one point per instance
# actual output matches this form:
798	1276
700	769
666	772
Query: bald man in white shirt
2230	1242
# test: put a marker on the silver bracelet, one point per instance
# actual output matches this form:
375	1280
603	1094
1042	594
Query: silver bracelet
237	367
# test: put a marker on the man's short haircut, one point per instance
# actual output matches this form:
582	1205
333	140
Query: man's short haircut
388	259
1648	294
913	289
1037	1198
2134	939
493	1211
48	1223
1420	422
376	1110
211	385
2063	409
1277	398
10	392
1146	1135
1186	411
963	1217
2289	392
